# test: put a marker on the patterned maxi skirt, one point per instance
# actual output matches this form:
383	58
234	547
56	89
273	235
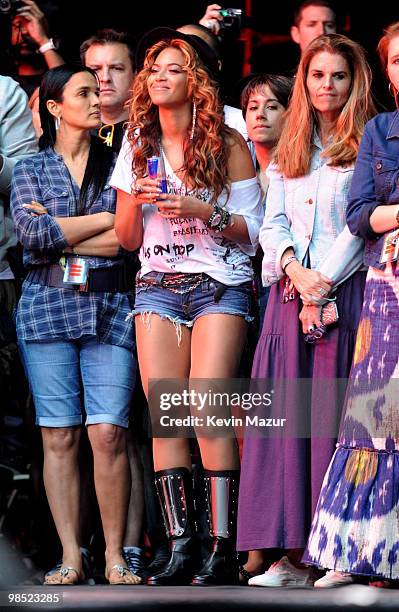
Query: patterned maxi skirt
356	525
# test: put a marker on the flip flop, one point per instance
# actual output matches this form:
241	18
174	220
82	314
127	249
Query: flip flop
123	575
86	567
58	577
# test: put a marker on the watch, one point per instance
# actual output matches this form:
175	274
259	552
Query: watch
48	46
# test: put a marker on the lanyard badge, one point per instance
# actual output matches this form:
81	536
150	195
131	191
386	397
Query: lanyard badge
76	271
390	249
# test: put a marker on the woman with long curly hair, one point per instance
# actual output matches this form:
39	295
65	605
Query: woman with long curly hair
193	292
310	257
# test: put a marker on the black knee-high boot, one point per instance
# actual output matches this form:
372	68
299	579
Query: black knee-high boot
221	488
175	490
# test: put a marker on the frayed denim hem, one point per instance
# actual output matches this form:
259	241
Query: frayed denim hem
176	321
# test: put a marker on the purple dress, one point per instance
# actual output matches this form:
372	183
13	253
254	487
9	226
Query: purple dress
281	477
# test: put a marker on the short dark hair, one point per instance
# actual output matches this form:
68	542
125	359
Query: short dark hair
280	85
306	3
107	36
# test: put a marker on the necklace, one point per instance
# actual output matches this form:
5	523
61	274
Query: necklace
163	157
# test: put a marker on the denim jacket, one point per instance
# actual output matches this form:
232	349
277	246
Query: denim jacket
308	214
375	181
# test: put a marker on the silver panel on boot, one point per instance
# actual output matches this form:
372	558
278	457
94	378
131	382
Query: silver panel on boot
218	494
174	507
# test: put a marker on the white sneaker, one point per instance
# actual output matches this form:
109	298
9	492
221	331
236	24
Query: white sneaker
334	579
282	574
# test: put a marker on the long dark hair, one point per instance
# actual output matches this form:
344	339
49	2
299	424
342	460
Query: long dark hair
100	156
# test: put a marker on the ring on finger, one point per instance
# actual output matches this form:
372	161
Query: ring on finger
322	291
138	189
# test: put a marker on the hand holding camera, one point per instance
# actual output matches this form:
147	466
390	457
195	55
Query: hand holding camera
217	18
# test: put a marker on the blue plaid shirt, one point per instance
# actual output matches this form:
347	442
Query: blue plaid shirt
50	312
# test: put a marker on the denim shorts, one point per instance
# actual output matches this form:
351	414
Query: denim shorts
185	300
59	370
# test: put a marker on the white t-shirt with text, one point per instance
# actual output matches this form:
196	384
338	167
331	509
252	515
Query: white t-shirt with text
186	244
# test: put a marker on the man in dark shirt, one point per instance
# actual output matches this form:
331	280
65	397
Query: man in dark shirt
110	54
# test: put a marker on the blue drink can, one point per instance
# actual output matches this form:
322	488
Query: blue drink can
152	167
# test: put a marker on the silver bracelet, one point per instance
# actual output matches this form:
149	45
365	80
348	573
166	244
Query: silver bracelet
289	260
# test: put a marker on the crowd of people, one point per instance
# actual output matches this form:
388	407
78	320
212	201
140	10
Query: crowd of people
276	224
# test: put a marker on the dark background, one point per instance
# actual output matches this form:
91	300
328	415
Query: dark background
74	20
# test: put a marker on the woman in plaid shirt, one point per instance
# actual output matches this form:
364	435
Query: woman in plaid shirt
71	316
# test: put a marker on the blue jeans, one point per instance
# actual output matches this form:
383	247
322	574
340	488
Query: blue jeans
58	370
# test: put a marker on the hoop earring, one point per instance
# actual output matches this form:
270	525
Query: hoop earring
193	121
57	122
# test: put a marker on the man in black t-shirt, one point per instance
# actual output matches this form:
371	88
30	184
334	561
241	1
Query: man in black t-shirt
110	54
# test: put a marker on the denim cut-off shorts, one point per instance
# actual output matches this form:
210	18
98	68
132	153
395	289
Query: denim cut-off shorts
183	301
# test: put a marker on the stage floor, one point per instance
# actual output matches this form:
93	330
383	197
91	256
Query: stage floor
212	599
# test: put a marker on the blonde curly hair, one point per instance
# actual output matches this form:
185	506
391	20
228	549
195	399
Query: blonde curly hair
206	154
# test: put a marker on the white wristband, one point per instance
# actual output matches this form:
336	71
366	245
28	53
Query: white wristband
48	46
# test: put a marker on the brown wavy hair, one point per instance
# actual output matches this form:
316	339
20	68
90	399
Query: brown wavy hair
206	154
295	147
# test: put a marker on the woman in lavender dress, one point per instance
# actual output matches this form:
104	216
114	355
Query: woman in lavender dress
308	254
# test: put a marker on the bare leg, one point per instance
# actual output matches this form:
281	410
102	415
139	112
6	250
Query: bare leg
112	482
136	499
221	338
61	480
160	356
254	564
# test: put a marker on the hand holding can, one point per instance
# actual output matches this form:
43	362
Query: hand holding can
153	169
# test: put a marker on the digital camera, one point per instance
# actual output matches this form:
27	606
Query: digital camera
10	7
231	17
